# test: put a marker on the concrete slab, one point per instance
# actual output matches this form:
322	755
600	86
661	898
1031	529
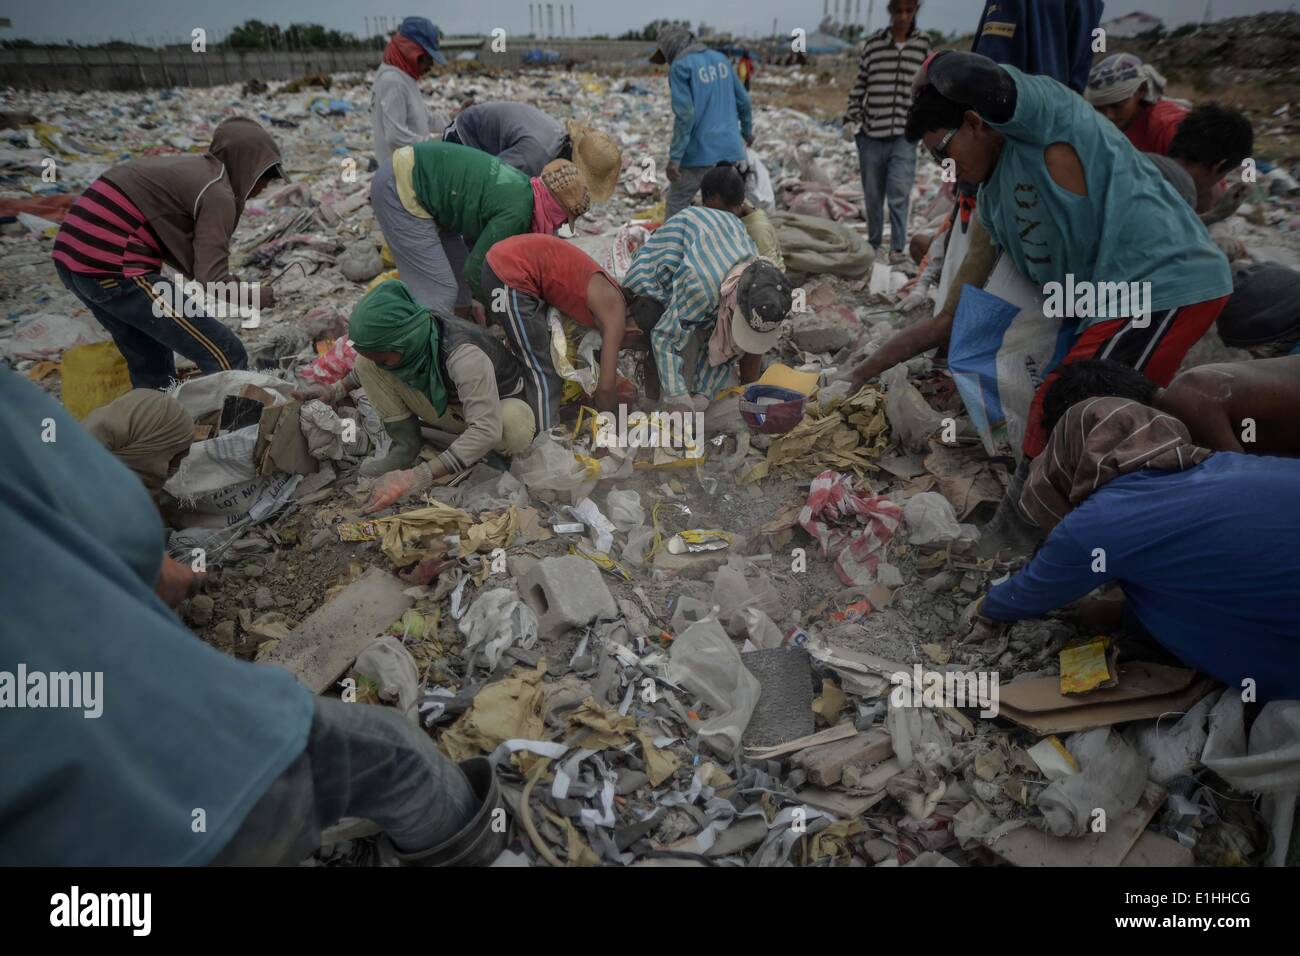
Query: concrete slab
325	645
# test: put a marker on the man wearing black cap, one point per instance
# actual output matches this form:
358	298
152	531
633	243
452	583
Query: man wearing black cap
707	299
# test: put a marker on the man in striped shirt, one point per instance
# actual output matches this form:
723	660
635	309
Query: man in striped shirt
180	209
680	271
877	115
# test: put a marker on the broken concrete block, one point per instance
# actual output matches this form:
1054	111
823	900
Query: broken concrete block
323	646
784	709
818	333
566	592
825	764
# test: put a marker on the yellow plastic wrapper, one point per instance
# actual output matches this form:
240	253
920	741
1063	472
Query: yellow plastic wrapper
1088	666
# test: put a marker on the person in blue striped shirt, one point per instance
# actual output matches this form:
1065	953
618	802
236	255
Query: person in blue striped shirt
698	266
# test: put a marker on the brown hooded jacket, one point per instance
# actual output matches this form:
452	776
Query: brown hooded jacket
193	201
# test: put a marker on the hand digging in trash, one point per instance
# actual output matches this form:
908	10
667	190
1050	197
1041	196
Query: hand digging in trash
392	487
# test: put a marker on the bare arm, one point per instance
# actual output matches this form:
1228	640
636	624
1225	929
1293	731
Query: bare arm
927	334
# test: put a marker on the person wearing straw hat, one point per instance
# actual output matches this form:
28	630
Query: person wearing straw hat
1129	93
524	137
435	193
398	114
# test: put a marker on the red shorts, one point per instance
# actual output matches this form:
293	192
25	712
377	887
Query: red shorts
1156	350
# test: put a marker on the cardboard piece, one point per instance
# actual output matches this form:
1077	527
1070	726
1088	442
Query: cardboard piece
1145	690
281	445
1152	849
829	735
1029	847
782	376
843	805
825	764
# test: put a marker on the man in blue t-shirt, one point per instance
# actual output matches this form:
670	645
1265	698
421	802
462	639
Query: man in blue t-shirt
127	741
1202	542
711	114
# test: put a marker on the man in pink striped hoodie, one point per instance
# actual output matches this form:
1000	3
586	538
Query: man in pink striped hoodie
181	210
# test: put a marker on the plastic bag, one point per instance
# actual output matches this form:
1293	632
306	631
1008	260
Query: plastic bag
215	464
498	620
390	665
911	418
324	429
1002	348
93	375
333	365
602	531
638	542
44	336
1112	777
930	519
625	510
548	465
705	662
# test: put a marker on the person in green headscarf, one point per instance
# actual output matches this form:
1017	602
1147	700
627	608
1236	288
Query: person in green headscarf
419	366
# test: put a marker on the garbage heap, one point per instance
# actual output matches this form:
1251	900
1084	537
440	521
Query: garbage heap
748	647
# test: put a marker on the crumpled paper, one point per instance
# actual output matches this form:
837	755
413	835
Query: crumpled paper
508	709
403	533
844	434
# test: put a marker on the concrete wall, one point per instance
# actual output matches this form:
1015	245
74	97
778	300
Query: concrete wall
75	69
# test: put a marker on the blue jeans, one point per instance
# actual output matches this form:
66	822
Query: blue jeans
888	171
126	306
361	760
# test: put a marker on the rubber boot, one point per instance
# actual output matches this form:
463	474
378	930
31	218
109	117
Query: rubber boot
1010	532
405	433
477	843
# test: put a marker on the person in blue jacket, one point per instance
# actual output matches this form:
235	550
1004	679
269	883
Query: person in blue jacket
711	114
1041	37
1202	542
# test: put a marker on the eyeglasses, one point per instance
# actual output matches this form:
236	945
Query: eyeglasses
940	152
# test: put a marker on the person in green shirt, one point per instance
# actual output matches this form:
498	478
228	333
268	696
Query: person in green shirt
437	199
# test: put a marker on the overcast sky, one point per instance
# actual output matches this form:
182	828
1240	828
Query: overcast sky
92	21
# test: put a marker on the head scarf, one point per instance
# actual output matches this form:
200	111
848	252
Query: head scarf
404	54
145	429
1099	439
672	42
1119	76
387	319
548	214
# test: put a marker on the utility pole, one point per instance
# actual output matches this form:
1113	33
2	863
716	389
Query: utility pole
573	28
550	19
